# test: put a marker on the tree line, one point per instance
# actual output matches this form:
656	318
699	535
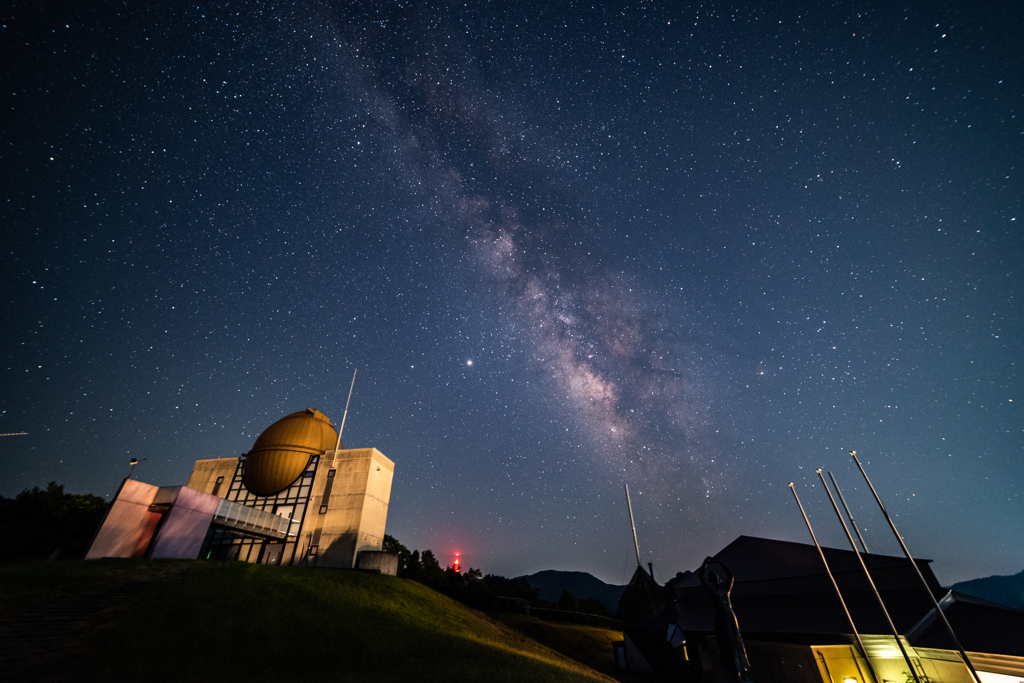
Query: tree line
473	588
48	523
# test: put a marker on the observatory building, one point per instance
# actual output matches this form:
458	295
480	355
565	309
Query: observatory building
297	497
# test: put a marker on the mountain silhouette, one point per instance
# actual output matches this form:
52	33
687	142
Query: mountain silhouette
1006	590
552	582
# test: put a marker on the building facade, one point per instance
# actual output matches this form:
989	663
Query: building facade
337	508
296	498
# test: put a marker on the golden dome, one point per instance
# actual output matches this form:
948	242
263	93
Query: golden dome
282	452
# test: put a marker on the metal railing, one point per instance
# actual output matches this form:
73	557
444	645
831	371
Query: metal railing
253	520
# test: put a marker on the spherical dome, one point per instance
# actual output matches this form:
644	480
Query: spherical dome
282	452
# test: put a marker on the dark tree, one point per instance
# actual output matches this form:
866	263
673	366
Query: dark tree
469	587
594	606
568	601
391	545
433	575
48	523
413	570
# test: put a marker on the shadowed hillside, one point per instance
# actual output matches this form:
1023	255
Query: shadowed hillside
131	620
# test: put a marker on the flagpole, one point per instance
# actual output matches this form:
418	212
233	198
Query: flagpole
337	446
636	544
849	619
849	514
867	574
920	576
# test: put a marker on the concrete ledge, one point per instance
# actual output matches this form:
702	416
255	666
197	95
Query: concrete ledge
378	561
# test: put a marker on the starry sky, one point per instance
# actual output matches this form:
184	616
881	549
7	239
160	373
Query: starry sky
702	250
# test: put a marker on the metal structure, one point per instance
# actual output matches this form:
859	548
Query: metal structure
924	584
867	575
344	415
636	545
821	553
849	514
284	449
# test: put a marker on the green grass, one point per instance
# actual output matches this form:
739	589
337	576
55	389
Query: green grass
235	621
587	644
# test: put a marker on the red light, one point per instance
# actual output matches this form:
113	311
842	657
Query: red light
455	566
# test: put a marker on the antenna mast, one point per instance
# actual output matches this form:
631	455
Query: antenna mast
636	545
337	446
849	514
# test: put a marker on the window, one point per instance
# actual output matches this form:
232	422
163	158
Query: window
327	491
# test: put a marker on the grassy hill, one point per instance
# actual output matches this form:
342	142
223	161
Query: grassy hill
130	620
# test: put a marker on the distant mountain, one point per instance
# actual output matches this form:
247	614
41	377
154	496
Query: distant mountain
552	583
1006	590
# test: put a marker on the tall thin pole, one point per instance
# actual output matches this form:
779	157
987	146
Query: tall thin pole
849	514
337	446
920	576
867	574
849	619
636	544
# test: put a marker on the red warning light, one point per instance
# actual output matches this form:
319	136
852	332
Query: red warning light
455	566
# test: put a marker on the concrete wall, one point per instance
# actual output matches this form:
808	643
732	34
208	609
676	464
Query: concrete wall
357	509
374	516
185	526
205	472
378	561
129	525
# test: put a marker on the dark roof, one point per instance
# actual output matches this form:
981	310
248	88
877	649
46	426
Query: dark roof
642	599
782	591
980	626
753	559
782	587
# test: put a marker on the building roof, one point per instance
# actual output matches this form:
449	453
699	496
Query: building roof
980	626
782	594
782	589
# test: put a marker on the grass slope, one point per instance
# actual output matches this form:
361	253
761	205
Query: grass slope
191	621
587	644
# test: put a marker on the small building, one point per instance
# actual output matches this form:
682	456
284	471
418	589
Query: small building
296	498
795	630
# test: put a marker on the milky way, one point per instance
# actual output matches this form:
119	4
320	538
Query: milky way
701	251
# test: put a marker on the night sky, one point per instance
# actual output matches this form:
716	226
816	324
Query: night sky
699	250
